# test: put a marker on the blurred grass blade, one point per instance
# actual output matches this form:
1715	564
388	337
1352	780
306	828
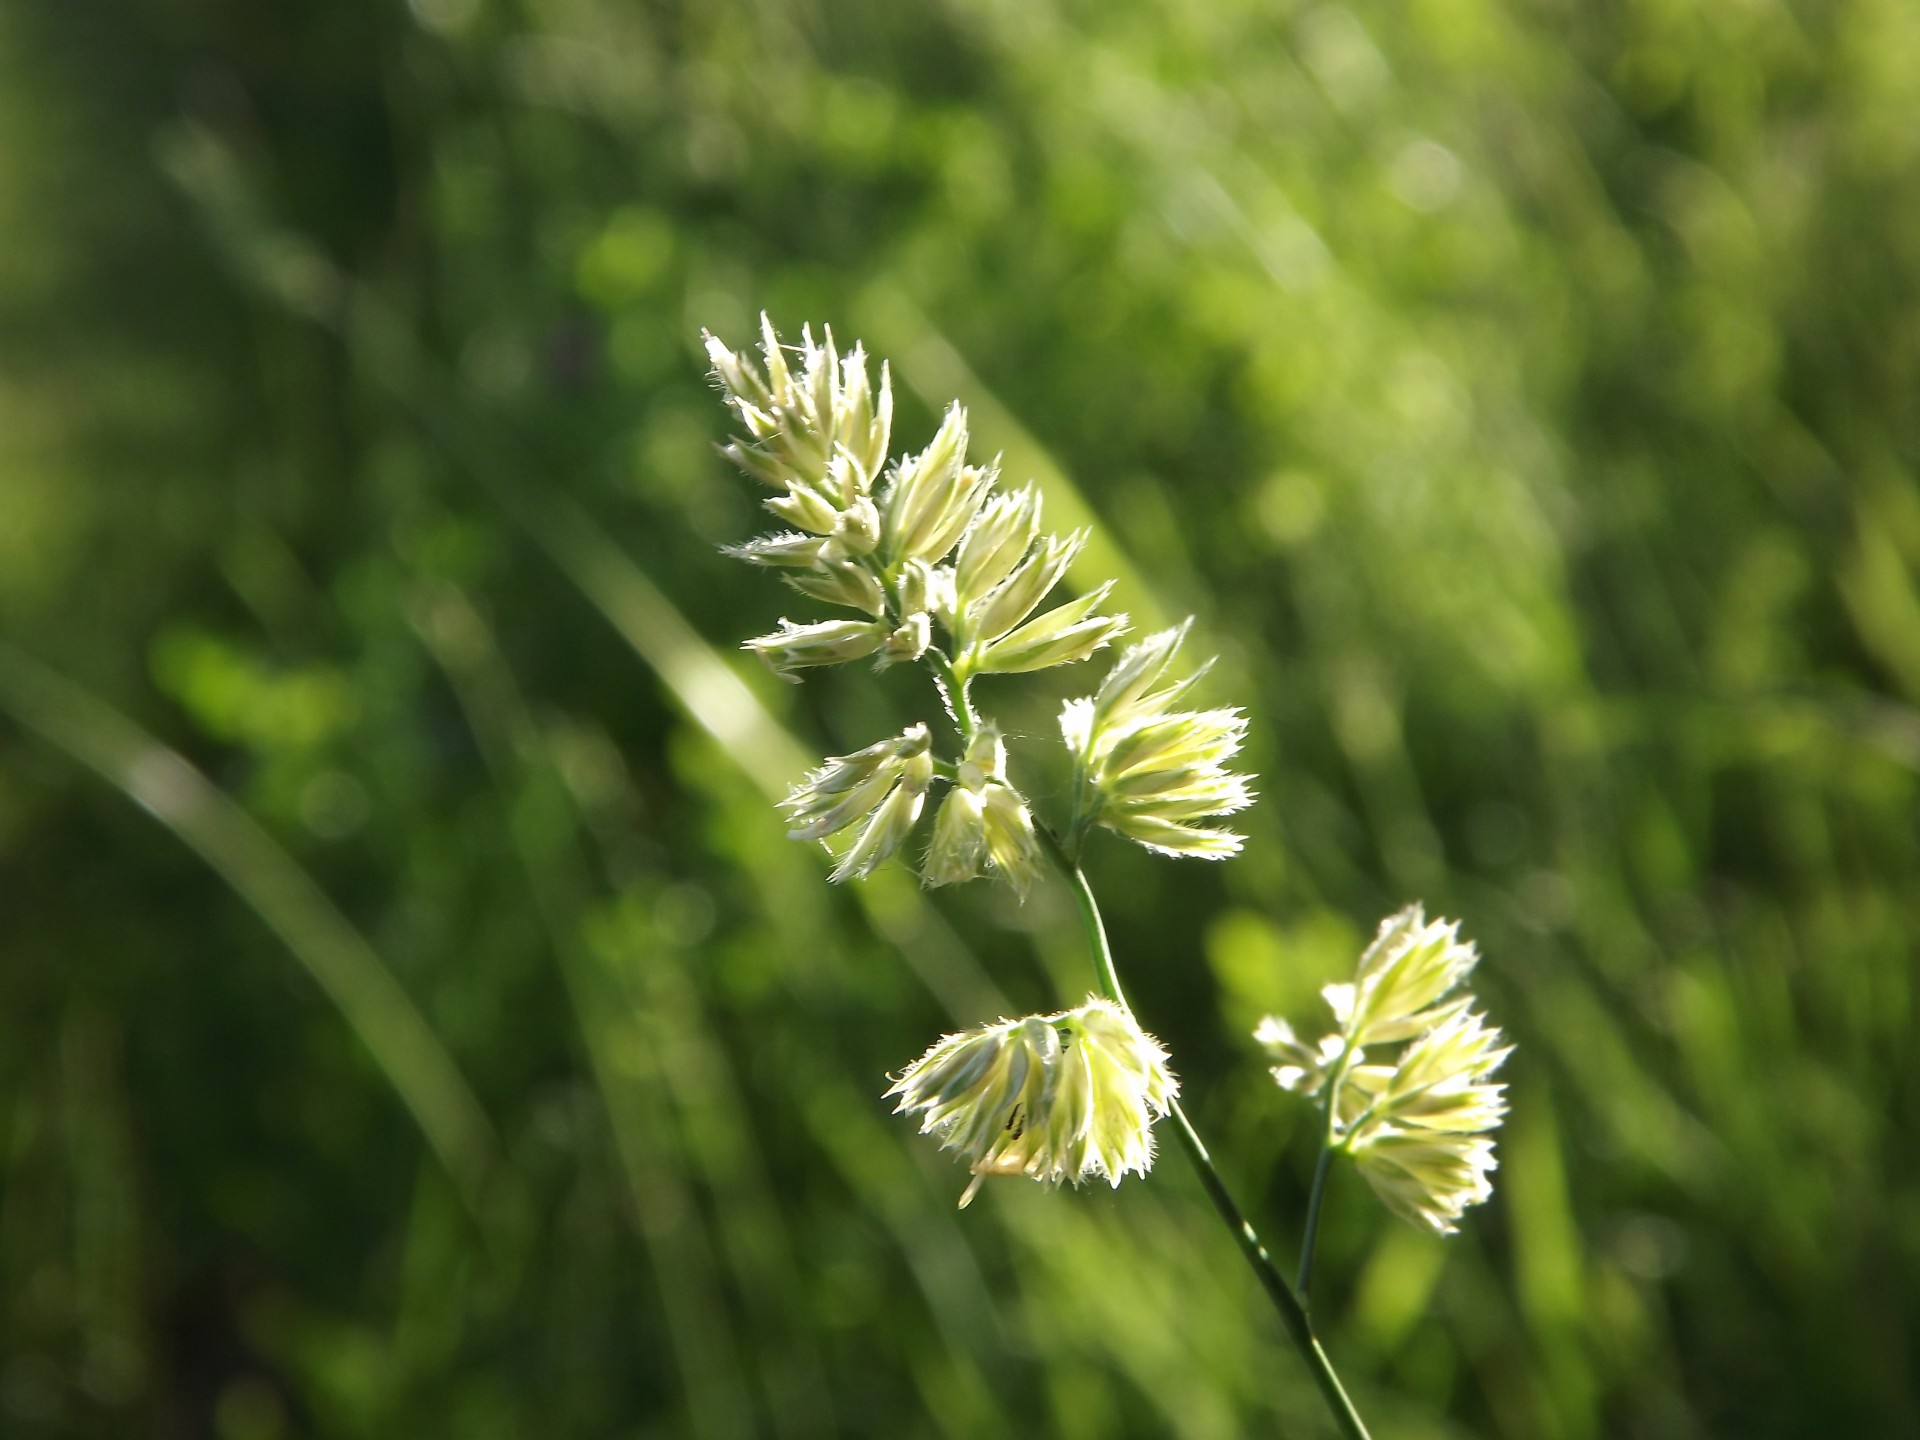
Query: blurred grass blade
163	783
706	688
545	827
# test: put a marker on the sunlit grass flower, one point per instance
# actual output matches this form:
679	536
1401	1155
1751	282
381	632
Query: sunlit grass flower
1149	771
983	823
1012	846
787	549
1439	1081
932	497
841	582
997	541
1053	1097
883	785
998	586
1418	1124
892	820
877	539
1410	966
831	642
1426	1178
1422	1139
820	434
1066	633
958	850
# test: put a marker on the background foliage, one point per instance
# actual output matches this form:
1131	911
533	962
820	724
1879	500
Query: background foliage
412	1020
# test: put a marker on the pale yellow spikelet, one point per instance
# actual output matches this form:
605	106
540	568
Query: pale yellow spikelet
1062	1097
1017	596
958	850
841	582
1298	1066
832	642
1410	966
983	824
995	543
845	789
786	550
1418	1122
822	430
1440	1081
880	789
808	509
1425	1177
1151	772
933	496
1013	848
892	820
1067	633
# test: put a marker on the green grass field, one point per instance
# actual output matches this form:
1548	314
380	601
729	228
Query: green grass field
413	1019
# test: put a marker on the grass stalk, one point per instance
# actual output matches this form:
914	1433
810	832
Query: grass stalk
1293	1312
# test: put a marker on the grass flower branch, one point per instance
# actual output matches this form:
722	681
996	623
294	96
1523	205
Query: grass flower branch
943	567
1418	1125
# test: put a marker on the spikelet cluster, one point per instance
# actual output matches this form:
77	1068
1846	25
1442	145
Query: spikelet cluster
820	436
1150	770
879	790
942	565
1052	1097
983	824
936	561
927	548
1418	1123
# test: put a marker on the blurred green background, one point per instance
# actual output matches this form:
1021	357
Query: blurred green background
413	1021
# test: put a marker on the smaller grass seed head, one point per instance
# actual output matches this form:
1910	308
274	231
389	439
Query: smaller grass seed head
1055	1097
1427	1178
1151	771
883	786
1402	978
822	431
984	822
1418	1124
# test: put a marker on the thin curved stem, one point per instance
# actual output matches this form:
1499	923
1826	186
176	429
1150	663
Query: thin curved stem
1293	1314
1330	1101
954	690
1304	1284
1090	921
